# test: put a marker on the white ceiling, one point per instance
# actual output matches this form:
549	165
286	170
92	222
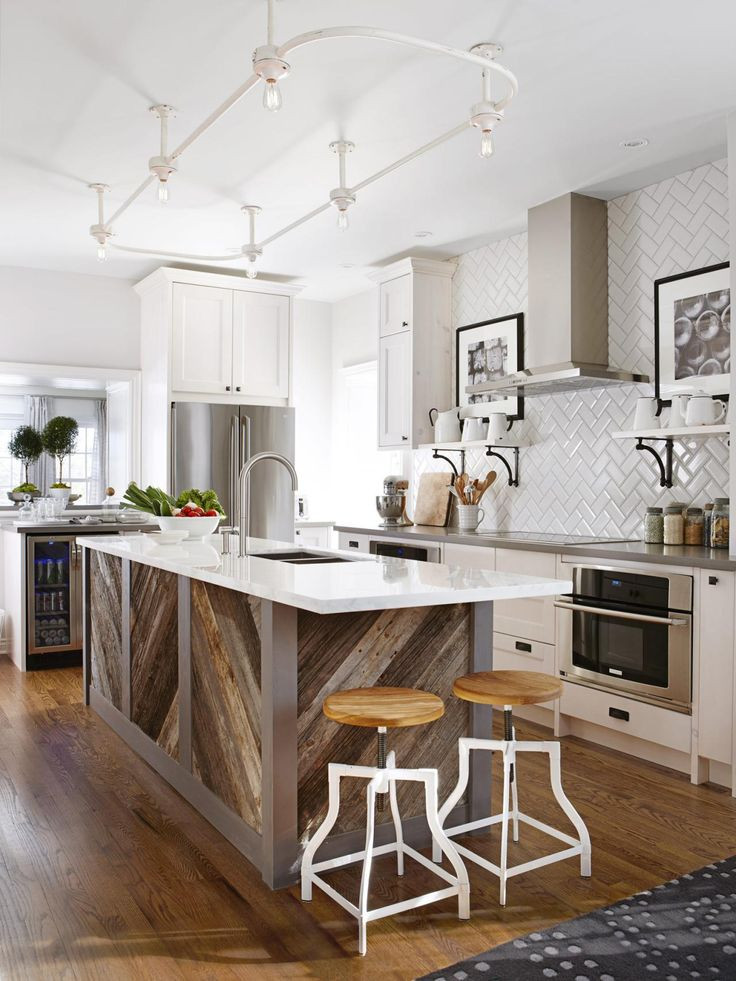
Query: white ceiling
77	78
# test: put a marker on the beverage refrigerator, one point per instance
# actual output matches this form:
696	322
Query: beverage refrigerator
54	598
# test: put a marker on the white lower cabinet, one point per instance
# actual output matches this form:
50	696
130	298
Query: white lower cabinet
625	715
520	654
470	556
715	619
533	618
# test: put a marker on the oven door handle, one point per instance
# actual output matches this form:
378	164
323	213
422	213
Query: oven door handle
643	618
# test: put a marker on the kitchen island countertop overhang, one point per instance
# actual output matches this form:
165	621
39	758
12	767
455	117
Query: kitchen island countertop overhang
213	668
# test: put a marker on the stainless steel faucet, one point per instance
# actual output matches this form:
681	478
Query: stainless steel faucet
244	485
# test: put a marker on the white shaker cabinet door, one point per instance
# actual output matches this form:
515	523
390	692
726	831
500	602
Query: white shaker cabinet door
715	696
532	618
394	391
202	339
261	345
395	300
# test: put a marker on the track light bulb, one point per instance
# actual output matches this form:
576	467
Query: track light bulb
342	220
252	268
486	143
101	253
272	95
163	192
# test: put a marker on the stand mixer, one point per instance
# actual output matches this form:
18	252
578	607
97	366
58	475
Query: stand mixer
391	505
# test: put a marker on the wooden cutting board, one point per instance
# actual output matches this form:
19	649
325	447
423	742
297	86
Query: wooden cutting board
433	499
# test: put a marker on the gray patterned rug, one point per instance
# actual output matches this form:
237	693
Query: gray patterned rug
681	930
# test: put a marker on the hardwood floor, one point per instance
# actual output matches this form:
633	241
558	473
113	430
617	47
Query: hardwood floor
105	872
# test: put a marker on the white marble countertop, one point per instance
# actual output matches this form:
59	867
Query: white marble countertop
365	583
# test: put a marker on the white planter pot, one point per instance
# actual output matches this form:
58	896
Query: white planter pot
60	494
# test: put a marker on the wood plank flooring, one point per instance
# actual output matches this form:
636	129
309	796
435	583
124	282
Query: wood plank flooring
105	872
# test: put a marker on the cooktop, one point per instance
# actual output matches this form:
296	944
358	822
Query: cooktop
547	538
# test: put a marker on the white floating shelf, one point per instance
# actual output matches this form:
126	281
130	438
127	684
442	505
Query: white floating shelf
684	432
473	444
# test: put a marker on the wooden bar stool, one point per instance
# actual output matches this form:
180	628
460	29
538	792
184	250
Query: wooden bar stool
382	709
509	688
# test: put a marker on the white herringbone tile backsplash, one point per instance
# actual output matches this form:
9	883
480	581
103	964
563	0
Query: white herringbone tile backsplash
574	478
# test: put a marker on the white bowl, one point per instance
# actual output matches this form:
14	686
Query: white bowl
195	528
169	537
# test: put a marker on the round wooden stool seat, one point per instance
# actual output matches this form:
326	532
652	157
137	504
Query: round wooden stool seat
507	687
391	708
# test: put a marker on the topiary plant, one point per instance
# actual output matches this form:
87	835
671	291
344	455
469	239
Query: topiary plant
59	439
26	445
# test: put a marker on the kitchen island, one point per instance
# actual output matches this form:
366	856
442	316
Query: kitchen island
213	669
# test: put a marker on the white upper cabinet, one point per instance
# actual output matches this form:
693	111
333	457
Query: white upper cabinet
414	330
202	342
394	390
395	300
261	345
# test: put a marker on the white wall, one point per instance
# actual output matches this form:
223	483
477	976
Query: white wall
312	389
67	318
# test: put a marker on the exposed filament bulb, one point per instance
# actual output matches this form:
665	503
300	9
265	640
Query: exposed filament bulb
271	95
486	143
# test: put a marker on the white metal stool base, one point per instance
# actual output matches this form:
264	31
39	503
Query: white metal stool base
384	781
509	748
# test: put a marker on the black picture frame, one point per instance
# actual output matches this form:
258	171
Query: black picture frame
660	385
517	409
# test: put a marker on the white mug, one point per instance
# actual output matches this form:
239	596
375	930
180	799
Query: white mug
473	429
469	516
646	416
702	410
497	427
678	412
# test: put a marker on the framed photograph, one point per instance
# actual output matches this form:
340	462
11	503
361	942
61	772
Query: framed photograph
692	332
489	351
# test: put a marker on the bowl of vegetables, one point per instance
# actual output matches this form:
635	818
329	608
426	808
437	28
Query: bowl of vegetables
194	511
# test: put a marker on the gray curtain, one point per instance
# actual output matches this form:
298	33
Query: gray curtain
99	455
40	473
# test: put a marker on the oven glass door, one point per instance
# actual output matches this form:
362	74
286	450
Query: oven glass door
636	651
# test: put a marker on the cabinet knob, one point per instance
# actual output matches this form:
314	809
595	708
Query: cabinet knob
405	438
237	388
712	580
227	388
404	323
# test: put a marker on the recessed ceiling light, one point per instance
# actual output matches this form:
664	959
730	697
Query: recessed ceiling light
636	144
423	234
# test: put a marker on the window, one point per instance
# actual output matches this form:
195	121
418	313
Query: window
12	415
80	466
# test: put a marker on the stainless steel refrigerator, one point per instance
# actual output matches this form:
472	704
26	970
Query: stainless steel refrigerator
209	445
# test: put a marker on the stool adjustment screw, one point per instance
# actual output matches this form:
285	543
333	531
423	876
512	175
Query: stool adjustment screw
381	799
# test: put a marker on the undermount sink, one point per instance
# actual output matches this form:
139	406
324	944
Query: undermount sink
299	556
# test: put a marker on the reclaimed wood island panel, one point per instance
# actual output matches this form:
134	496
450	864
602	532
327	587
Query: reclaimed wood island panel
220	689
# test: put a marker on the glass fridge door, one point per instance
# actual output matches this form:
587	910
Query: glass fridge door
53	595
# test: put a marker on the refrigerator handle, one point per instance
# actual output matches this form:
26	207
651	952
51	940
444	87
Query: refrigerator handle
234	472
172	457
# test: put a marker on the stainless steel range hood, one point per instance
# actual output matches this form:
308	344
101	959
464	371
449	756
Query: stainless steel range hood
567	327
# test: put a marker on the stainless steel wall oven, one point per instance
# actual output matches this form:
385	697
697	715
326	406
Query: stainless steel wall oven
629	632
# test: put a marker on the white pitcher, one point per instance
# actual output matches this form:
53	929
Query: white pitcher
446	425
702	410
678	412
473	429
646	416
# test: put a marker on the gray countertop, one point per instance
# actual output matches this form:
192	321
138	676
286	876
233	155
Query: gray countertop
684	555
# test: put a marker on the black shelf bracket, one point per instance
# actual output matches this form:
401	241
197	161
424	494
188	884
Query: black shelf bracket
439	455
665	466
513	475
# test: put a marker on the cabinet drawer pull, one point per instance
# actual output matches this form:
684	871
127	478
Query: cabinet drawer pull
712	580
353	544
618	714
227	388
521	646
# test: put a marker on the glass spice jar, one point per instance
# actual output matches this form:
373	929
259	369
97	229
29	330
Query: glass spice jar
674	525
654	526
694	526
707	519
720	524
